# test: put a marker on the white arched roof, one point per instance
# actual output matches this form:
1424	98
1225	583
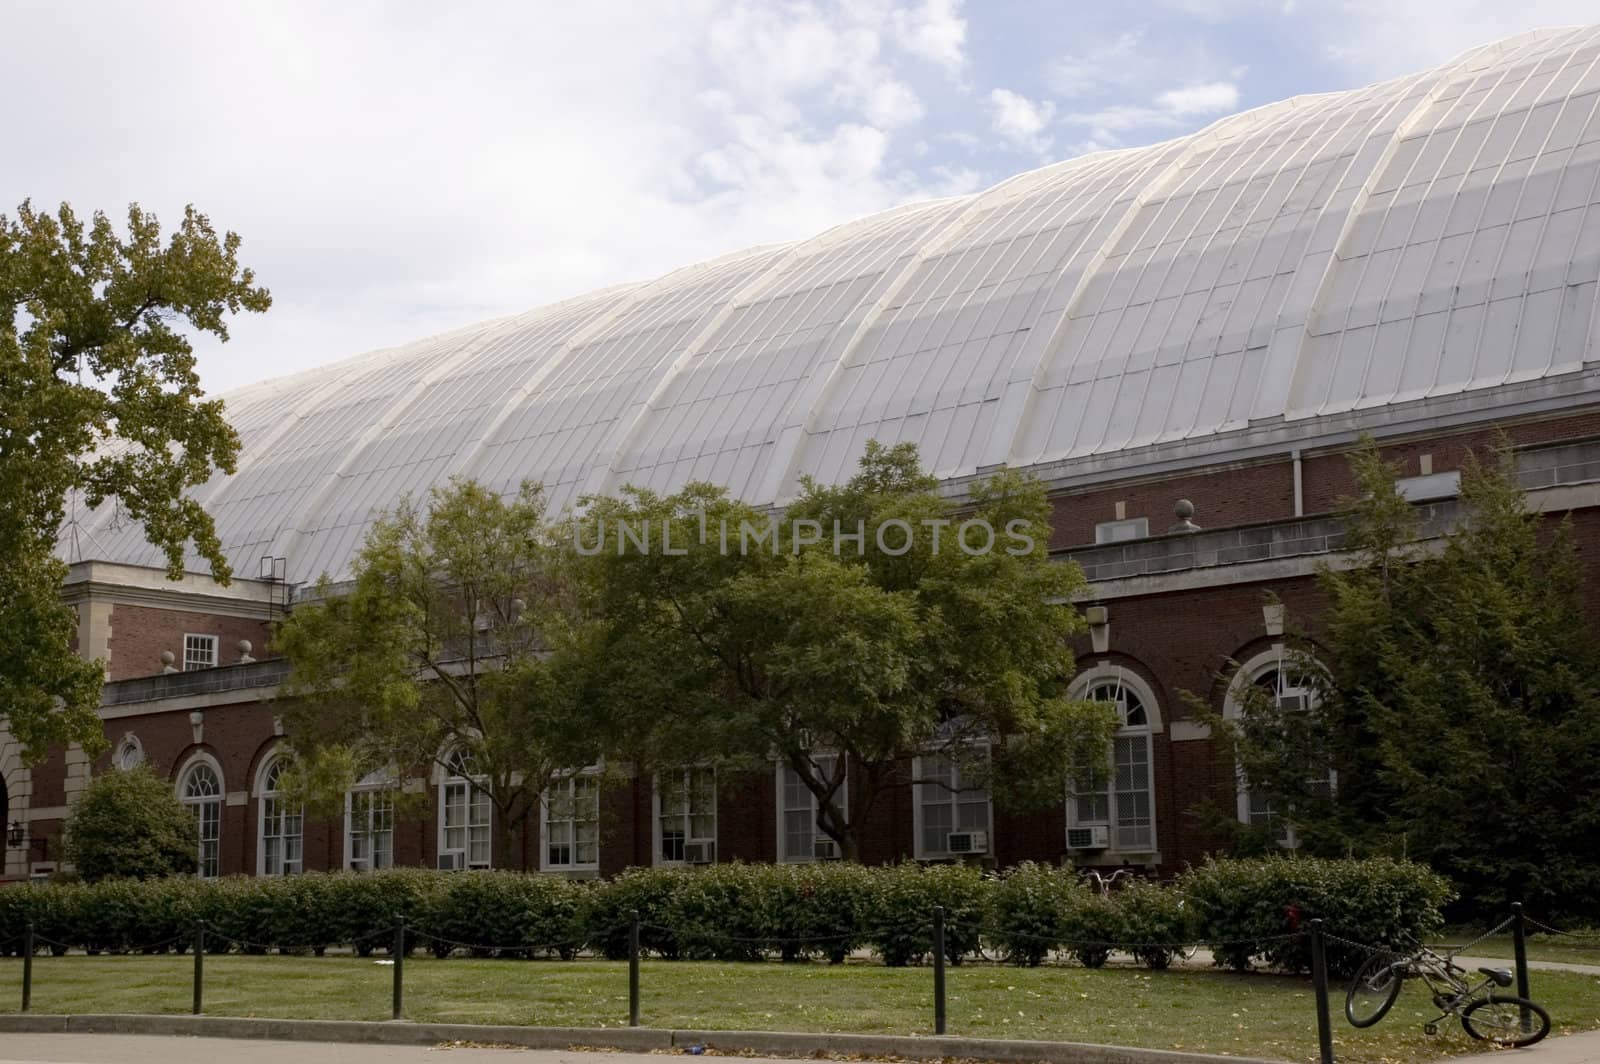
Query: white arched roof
1324	257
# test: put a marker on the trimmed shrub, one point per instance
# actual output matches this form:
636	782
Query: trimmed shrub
504	914
1092	927
607	907
821	909
238	914
900	911
1155	920
365	905
1252	910
1028	909
727	912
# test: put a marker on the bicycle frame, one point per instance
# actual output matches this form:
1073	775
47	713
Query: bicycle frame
1441	974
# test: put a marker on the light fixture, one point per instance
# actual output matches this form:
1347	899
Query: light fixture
17	835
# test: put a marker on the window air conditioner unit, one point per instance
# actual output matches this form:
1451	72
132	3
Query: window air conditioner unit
699	852
825	850
967	842
1093	837
452	861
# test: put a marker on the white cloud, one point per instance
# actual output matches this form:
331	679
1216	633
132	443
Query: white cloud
1210	98
393	177
1021	120
890	103
935	31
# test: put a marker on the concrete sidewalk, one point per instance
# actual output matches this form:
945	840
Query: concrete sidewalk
158	1049
179	1049
361	1038
1573	1049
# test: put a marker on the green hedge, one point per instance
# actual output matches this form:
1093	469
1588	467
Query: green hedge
1251	909
1248	908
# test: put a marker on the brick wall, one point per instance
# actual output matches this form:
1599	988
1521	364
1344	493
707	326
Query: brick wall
140	633
1247	493
1179	643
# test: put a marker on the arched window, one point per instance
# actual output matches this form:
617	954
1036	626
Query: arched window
1122	802
1290	692
369	824
282	844
464	815
200	789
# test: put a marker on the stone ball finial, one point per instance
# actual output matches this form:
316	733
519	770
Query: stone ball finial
244	646
167	659
1184	509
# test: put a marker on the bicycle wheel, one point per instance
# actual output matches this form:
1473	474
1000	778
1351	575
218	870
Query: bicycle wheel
1373	990
1497	1019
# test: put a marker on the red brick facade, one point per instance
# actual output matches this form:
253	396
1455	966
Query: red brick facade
139	635
1178	636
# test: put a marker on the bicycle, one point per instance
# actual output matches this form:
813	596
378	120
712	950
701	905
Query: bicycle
1503	1020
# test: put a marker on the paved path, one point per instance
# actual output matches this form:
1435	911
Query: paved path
1573	1049
154	1049
1202	959
1473	963
151	1049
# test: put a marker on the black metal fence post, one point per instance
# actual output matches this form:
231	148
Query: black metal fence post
1519	950
199	964
633	968
27	967
938	970
1319	978
398	951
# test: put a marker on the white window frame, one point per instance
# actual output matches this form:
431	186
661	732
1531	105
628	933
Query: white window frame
373	788
952	797
688	815
201	806
569	781
1091	681
129	748
474	800
841	797
216	654
1250	673
273	810
1124	531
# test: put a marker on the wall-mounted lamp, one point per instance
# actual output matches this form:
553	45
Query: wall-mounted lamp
17	835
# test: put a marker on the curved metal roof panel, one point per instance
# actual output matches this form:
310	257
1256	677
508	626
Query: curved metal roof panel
1433	235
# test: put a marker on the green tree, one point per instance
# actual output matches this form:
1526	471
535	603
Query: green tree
130	824
1459	702
99	397
769	636
448	641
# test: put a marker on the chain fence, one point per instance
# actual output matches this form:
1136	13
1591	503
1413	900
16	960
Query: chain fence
402	939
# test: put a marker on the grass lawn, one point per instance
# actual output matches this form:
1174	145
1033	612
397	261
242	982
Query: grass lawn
1250	1015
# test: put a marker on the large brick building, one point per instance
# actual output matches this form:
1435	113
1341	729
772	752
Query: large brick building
1213	319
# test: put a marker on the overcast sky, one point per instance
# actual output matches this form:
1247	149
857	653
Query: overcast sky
397	169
